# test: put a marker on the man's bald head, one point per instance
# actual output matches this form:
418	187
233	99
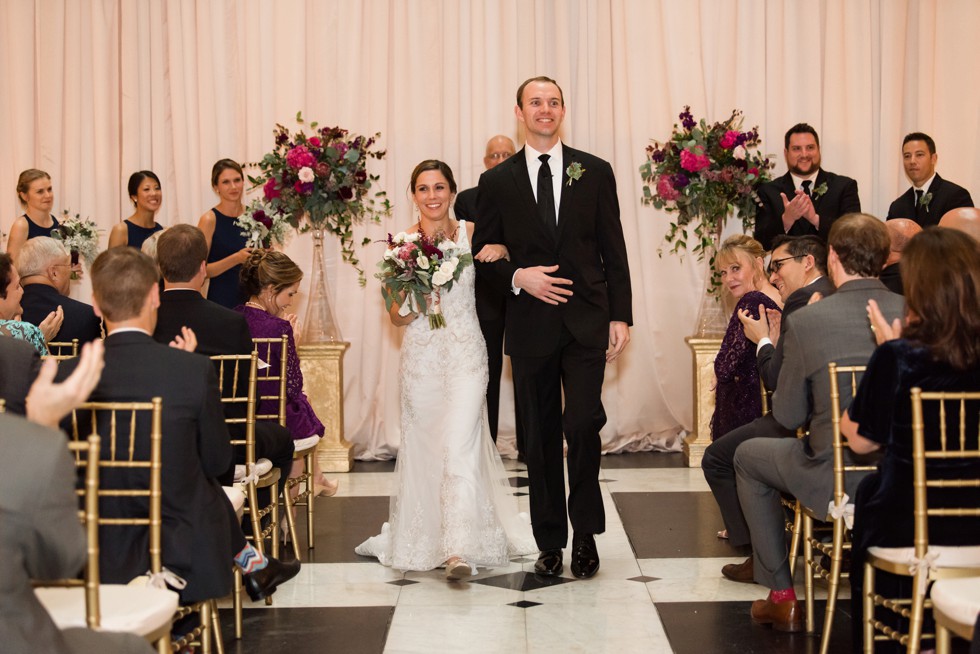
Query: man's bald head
499	149
900	231
965	219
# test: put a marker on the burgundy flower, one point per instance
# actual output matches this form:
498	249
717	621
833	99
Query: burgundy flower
269	190
314	141
321	169
687	120
303	188
680	180
360	176
341	148
346	192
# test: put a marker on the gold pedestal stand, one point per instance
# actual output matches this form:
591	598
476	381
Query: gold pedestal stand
323	373
705	350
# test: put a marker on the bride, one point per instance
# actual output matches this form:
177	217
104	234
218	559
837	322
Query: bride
453	505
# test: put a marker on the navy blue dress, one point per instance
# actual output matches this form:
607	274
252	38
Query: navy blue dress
34	230
137	234
226	240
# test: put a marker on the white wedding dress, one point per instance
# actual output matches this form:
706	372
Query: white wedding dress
452	496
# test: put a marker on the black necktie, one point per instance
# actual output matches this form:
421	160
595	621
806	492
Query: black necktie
806	187
546	194
918	199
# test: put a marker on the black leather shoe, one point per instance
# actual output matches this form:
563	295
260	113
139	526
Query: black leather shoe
585	556
548	563
262	583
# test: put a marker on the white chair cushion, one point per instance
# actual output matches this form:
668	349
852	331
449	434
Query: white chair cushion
305	443
139	610
262	466
237	499
958	598
947	556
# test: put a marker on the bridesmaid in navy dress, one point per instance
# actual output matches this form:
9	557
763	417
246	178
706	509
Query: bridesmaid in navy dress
227	251
37	197
146	195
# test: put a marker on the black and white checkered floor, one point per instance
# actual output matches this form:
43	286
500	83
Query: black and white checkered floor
659	588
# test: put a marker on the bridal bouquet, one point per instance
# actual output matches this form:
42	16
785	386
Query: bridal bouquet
80	237
417	269
704	173
261	228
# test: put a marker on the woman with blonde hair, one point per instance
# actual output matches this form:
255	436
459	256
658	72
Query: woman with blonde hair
37	197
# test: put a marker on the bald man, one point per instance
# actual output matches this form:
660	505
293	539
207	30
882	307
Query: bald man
490	303
900	231
965	219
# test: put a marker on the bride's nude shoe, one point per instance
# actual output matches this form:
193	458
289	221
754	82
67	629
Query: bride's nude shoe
457	568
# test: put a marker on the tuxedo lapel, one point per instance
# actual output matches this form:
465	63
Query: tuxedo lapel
817	183
569	157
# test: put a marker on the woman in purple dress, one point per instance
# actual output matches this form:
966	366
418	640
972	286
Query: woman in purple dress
269	280
738	400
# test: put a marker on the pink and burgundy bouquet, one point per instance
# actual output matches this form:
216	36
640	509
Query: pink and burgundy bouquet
320	180
262	227
704	173
416	269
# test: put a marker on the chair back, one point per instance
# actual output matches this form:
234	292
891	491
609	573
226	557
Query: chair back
851	377
273	351
63	349
237	381
953	435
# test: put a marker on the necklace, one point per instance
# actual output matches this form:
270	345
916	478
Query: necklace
452	237
256	305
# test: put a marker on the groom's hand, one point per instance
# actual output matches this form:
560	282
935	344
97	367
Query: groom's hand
619	336
540	284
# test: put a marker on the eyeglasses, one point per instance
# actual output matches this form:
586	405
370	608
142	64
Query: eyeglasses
776	264
499	155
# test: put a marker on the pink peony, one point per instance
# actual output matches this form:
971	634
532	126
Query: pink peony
270	190
694	162
300	157
665	189
754	171
729	140
314	141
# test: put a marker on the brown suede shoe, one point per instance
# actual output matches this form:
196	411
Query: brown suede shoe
783	616
741	572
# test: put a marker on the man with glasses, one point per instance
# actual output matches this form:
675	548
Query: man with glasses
798	270
45	273
491	303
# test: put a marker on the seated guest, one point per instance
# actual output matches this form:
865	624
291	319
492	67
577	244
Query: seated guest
900	230
833	329
146	196
798	269
930	196
19	363
938	349
45	273
10	311
40	534
200	530
965	219
181	256
737	399
270	280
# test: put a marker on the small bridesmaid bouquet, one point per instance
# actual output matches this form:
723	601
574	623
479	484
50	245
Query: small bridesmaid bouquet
418	269
262	227
80	237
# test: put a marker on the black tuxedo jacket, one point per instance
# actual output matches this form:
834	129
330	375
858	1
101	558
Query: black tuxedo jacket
588	247
491	304
80	320
197	517
770	358
840	198
945	196
465	205
19	365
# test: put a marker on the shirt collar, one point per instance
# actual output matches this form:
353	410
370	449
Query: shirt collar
532	155
924	187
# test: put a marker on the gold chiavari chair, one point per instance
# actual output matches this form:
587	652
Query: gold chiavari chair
955	606
264	348
924	563
61	350
837	512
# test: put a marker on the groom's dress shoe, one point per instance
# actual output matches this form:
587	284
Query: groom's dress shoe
783	616
262	583
548	563
742	572
585	556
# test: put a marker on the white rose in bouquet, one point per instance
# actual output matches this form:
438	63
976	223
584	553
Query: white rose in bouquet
423	262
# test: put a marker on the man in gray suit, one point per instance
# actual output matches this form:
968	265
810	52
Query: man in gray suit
835	329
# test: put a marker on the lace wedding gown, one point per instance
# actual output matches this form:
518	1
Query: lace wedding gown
452	496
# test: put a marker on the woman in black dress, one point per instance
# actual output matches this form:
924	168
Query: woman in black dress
146	195
36	195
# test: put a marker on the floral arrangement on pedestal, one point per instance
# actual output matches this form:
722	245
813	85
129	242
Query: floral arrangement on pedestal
262	227
704	173
80	237
319	181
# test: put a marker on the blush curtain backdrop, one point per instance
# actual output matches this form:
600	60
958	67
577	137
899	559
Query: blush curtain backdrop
94	90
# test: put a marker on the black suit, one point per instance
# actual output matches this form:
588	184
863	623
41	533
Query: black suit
19	364
945	196
840	198
222	331
891	277
559	347
718	463
200	531
80	320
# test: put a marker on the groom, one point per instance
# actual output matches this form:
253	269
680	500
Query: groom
568	314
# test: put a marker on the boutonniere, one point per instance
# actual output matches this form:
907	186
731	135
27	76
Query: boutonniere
574	172
820	190
925	200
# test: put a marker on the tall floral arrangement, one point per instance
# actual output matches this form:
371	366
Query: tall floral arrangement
319	180
703	173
